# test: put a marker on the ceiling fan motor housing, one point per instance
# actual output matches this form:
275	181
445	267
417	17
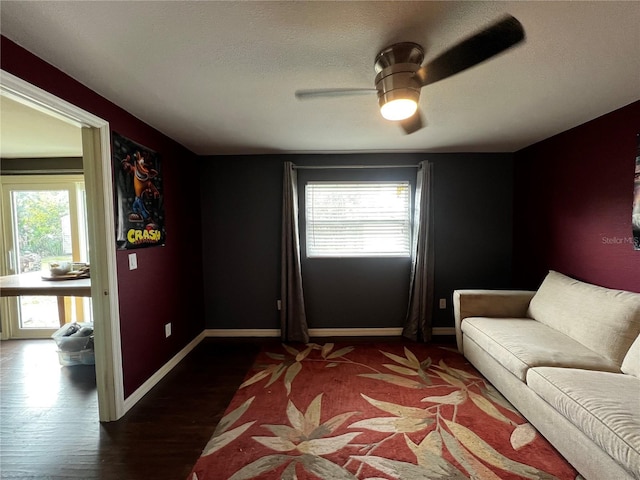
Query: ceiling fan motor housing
396	66
400	74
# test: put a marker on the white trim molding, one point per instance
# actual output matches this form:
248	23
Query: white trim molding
320	332
154	379
242	332
356	332
98	183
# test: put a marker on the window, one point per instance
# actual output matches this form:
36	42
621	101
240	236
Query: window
45	221
358	219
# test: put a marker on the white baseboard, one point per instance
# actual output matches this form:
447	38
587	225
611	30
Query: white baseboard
356	332
153	380
242	332
371	332
320	332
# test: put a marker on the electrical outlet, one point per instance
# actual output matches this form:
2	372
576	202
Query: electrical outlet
443	303
133	261
167	330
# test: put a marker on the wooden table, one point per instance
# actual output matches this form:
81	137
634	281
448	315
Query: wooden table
32	283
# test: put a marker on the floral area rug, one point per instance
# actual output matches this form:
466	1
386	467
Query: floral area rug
373	411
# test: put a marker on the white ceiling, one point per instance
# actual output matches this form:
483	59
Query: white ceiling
220	77
26	132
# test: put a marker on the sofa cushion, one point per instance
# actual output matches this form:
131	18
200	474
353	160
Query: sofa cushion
604	406
606	321
631	362
521	343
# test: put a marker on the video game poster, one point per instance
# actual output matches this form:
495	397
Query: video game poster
139	194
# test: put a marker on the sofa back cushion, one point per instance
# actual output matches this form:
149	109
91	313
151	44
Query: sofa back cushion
604	320
631	362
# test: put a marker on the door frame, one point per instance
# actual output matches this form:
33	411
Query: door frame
96	158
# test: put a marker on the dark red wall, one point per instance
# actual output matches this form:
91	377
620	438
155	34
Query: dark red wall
167	286
573	203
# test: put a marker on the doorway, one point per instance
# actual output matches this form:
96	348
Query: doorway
96	165
44	224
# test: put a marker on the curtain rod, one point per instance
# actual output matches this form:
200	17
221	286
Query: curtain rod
336	167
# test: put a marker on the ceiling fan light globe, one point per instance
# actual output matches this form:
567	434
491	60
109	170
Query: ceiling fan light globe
399	109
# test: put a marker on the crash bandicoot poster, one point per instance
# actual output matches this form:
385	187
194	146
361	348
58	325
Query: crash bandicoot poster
139	194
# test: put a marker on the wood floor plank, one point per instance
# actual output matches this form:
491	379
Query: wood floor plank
49	425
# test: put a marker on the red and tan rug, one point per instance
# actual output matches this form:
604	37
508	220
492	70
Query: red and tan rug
373	411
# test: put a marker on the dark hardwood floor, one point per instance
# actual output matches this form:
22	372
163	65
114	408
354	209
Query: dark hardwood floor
49	425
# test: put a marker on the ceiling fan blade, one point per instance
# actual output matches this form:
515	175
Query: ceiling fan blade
413	123
474	50
332	92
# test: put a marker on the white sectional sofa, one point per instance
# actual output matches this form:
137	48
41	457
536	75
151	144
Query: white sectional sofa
568	358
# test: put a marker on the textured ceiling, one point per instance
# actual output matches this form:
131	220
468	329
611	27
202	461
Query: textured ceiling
29	133
220	77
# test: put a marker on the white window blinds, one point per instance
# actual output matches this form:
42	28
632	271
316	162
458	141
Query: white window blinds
357	219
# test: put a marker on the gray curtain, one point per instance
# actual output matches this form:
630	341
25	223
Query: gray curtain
418	322
293	319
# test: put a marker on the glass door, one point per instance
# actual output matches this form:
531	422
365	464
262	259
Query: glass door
44	222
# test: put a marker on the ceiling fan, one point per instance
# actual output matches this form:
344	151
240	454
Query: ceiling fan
400	74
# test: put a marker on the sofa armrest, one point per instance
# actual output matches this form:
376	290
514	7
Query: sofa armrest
489	303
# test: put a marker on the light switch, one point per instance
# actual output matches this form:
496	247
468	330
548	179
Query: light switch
443	303
133	261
